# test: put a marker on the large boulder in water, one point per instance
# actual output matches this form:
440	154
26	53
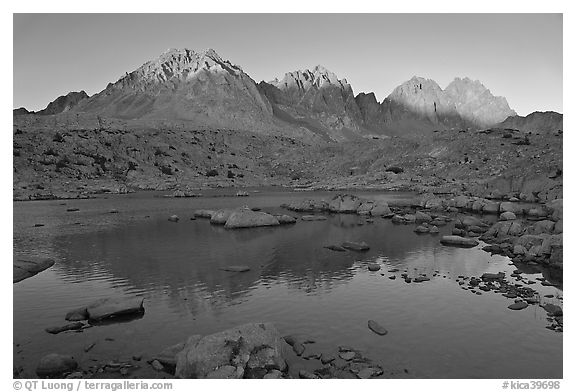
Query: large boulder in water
344	204
285	219
204	213
365	207
308	206
55	365
247	351
380	208
113	307
246	218
221	216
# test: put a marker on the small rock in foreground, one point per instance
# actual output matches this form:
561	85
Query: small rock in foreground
55	365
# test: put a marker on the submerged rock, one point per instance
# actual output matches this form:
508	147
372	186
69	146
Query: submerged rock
377	328
454	240
487	276
204	213
235	268
357	246
55	365
518	305
66	327
313	217
336	248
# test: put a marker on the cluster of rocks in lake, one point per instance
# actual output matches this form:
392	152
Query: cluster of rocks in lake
525	232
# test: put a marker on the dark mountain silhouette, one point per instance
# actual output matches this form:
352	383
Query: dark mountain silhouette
64	103
21	111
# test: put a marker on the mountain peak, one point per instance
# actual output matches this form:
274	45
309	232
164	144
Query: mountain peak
177	65
318	77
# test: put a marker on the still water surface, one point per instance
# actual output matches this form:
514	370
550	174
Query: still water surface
436	329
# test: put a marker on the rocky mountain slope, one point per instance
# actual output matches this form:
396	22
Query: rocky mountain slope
75	154
535	122
475	104
316	98
190	120
196	87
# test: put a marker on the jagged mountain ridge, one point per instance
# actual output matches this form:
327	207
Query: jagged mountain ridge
205	90
317	98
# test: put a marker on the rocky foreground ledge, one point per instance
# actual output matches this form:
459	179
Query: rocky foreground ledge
255	351
24	269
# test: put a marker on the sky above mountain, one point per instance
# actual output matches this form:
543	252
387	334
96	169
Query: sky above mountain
518	56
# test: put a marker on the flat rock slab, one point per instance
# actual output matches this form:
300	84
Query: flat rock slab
24	269
455	240
112	307
235	268
357	246
518	306
66	327
377	328
246	218
335	248
204	214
